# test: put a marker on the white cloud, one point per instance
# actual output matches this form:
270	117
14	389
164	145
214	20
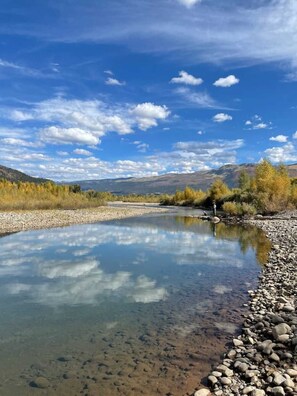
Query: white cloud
226	82
199	99
261	125
58	135
264	29
189	3
82	152
256	122
27	71
18	142
18	115
286	153
221	117
295	135
142	147
148	114
114	81
86	122
185	78
279	138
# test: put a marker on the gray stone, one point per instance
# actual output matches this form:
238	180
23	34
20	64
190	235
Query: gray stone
258	392
281	329
283	338
275	357
202	392
248	390
292	372
40	382
237	342
216	373
212	379
278	391
278	378
243	367
225	381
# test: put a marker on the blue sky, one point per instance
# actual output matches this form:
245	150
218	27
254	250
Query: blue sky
95	89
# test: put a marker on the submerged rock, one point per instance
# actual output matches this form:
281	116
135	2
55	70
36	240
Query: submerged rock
40	382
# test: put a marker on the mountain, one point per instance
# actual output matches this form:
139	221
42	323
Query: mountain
14	175
171	182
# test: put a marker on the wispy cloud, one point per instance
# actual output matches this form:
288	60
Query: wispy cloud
23	70
198	99
114	81
265	30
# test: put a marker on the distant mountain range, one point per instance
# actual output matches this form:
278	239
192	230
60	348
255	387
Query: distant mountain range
15	176
167	183
171	182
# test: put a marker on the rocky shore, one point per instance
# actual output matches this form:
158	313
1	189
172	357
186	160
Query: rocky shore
15	221
263	359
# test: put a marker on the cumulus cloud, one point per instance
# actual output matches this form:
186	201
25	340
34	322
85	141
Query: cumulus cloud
57	135
226	82
295	135
221	117
279	138
82	152
148	114
114	81
185	78
87	121
286	153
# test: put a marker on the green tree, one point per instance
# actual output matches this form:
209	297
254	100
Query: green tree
244	181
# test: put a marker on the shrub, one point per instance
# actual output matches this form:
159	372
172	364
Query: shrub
248	209
239	209
231	208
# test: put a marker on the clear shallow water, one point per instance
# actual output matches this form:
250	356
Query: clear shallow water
134	307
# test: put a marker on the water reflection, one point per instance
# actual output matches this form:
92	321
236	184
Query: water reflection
143	305
247	236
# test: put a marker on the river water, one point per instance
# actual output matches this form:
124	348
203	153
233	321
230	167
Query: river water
141	306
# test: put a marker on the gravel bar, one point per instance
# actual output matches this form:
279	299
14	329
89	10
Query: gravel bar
263	359
36	219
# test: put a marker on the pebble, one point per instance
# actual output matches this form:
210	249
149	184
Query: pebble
278	391
202	392
263	358
40	382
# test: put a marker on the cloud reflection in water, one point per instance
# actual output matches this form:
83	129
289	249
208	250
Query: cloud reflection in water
61	266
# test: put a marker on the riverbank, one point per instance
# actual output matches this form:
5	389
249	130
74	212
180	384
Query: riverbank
263	358
14	221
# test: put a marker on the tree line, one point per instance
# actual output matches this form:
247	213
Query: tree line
269	190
